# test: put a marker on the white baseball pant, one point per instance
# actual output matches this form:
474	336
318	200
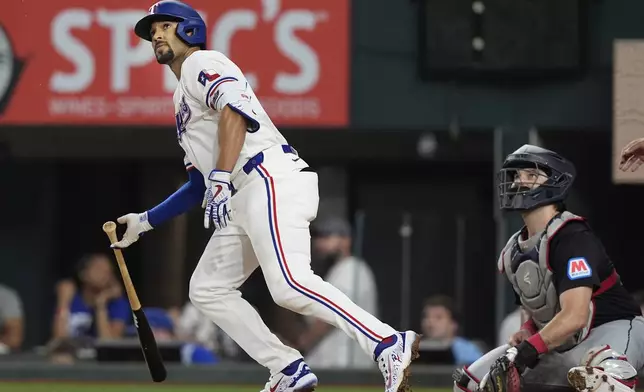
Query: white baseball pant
272	209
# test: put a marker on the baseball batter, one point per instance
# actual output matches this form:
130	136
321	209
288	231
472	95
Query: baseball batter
259	195
583	325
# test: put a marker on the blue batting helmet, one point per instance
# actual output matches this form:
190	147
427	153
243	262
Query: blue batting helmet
188	18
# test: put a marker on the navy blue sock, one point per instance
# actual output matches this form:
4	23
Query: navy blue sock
292	368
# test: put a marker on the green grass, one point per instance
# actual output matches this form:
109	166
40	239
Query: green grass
110	387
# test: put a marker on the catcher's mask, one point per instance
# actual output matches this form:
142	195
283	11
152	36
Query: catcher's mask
532	177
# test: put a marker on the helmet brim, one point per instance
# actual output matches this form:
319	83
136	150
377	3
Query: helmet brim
143	26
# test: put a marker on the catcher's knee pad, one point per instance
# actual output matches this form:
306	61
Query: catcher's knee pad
603	369
464	381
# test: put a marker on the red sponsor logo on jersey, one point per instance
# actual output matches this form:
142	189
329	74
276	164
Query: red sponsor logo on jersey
578	268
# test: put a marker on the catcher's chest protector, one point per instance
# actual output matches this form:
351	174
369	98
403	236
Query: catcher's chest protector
530	275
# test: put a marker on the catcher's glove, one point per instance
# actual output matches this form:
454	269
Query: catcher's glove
504	376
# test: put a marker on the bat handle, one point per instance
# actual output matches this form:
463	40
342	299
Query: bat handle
127	281
110	229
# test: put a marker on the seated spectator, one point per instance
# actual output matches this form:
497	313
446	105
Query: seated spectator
68	350
11	320
96	306
193	326
164	331
440	328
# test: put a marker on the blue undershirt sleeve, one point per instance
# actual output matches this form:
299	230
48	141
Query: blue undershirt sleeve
184	199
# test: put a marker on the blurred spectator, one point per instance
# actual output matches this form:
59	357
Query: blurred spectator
164	331
68	350
440	325
326	346
509	326
193	326
11	320
62	351
96	307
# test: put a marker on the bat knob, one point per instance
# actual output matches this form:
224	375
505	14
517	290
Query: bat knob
109	227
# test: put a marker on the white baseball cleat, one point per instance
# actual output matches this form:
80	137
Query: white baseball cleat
394	355
296	377
594	379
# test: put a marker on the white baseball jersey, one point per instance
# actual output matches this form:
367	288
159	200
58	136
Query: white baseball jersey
210	81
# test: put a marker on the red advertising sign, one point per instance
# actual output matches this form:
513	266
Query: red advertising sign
77	61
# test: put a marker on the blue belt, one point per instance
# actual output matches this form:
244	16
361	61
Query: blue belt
259	158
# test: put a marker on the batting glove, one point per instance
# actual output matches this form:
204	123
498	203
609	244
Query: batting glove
216	200
137	224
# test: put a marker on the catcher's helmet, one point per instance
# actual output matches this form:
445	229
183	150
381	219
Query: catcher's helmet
560	176
188	18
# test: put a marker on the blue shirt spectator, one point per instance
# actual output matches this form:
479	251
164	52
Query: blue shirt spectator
96	306
82	317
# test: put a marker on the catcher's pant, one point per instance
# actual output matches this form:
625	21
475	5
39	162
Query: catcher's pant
272	209
624	336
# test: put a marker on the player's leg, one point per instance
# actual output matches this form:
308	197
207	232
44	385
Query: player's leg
468	378
610	357
280	210
226	263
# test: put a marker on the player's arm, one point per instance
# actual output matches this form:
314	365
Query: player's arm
232	133
221	88
181	201
573	259
572	317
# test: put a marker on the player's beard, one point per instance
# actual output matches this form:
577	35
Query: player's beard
166	57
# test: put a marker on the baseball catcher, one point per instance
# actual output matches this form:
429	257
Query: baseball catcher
584	330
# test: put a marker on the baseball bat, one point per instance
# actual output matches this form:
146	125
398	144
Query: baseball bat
146	337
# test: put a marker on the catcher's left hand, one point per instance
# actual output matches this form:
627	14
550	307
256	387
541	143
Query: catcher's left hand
505	373
504	376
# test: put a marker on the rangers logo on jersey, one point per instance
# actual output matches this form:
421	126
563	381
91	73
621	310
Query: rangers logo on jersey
207	75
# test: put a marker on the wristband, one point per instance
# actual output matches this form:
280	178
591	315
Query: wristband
145	222
537	342
219	176
530	326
